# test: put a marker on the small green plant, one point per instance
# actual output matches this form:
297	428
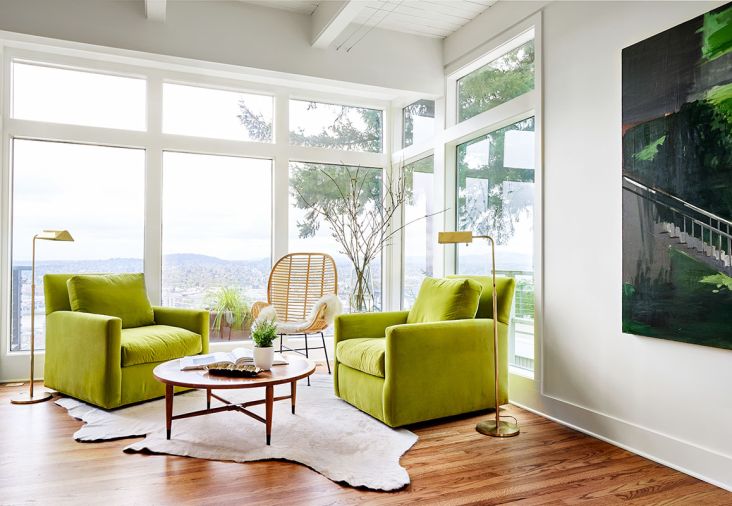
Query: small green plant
264	333
230	305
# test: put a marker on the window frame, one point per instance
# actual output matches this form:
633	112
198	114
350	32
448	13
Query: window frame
155	71
519	108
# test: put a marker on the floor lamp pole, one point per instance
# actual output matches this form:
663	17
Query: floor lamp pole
31	397
496	427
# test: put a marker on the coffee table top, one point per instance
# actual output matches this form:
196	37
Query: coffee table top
169	372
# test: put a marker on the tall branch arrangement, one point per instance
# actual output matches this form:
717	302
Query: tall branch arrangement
360	218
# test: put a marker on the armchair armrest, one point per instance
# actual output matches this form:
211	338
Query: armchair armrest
195	320
366	325
84	356
424	346
442	368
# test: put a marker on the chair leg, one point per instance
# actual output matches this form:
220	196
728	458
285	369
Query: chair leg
306	353
325	350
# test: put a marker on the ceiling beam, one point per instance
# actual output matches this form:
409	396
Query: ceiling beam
330	19
155	10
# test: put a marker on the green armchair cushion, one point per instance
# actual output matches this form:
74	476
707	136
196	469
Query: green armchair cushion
504	288
157	343
120	295
365	355
445	299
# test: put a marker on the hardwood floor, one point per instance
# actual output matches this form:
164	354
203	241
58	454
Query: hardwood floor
450	464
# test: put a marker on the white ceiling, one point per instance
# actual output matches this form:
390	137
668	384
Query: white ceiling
430	18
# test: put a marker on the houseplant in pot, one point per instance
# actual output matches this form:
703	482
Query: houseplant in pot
264	333
229	309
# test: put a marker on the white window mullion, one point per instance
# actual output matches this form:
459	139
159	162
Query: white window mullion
154	190
281	177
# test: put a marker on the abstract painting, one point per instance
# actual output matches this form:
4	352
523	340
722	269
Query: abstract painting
677	183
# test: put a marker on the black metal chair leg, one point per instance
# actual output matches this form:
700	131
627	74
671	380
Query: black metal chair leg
325	350
306	353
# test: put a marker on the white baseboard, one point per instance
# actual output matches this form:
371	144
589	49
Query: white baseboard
702	463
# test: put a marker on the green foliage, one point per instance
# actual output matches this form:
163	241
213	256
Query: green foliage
259	129
694	163
319	188
229	304
264	333
717	33
491	213
649	152
343	133
498	82
720	281
721	98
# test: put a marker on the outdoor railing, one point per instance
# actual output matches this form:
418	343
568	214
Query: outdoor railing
704	231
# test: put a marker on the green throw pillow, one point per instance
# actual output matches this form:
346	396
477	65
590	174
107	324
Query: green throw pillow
445	299
120	295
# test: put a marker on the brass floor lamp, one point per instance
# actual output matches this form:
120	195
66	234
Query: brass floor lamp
33	397
497	427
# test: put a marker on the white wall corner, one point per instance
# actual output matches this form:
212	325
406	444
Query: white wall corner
330	19
498	18
155	10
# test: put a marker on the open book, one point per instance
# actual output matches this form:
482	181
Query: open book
237	356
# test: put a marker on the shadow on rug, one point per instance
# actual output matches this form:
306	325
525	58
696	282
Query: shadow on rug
327	434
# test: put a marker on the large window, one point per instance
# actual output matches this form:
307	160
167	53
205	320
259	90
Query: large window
206	112
420	231
95	192
328	185
177	173
56	95
418	120
497	82
332	126
217	231
495	181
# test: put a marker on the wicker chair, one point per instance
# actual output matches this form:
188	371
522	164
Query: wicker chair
296	283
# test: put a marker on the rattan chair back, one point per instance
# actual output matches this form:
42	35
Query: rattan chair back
298	281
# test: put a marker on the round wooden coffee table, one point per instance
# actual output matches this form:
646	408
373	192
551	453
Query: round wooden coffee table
170	374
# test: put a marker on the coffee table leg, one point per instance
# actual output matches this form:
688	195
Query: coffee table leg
168	408
269	402
208	398
293	395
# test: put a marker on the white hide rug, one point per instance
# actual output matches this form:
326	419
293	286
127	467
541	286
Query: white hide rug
326	434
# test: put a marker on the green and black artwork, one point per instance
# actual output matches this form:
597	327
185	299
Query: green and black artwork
677	183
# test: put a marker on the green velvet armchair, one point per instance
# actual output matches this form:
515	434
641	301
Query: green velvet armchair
107	359
401	372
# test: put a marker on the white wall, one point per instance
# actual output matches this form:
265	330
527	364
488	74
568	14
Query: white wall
670	401
233	33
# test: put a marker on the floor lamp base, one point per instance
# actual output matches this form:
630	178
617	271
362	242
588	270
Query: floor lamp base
503	429
25	398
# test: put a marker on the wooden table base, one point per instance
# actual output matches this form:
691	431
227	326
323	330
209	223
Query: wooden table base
268	401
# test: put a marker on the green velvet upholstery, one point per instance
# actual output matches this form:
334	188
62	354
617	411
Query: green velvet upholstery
365	355
445	299
120	295
431	370
84	351
504	287
157	343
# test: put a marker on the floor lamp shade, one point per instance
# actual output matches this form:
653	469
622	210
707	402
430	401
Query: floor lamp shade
495	427
32	397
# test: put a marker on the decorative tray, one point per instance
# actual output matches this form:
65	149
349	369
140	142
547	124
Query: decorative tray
234	370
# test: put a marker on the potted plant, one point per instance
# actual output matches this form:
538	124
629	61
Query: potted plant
229	308
263	334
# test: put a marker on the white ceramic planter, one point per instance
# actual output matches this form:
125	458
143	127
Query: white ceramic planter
263	357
